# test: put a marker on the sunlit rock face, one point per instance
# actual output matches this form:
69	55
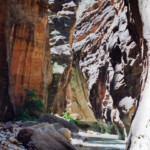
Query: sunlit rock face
140	129
79	97
62	19
108	45
79	100
30	56
68	88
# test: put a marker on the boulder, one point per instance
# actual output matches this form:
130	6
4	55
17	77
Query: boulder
46	135
44	126
56	127
51	119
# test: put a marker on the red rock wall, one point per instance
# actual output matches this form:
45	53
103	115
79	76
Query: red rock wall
30	65
24	52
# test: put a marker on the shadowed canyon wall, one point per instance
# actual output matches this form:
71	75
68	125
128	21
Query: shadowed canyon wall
6	99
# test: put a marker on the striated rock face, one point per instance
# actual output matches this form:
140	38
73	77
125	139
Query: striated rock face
111	59
68	89
79	100
62	19
140	129
24	52
30	65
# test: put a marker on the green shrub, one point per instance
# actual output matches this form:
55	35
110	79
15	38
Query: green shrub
31	106
34	106
30	93
73	118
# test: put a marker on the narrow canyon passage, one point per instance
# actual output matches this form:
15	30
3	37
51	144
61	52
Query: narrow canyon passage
74	74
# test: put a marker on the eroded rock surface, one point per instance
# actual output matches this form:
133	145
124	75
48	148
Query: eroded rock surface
24	53
68	88
47	137
62	19
79	98
30	56
140	129
111	61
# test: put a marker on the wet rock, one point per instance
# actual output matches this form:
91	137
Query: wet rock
77	136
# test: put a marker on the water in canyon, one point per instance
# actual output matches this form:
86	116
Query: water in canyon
97	141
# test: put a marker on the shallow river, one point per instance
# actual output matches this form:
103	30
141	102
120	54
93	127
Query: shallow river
97	141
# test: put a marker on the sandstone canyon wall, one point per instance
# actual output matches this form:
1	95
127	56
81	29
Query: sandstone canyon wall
24	52
139	138
68	88
111	45
6	99
61	20
109	54
30	56
108	59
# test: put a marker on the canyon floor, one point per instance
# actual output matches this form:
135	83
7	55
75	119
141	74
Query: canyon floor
84	140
